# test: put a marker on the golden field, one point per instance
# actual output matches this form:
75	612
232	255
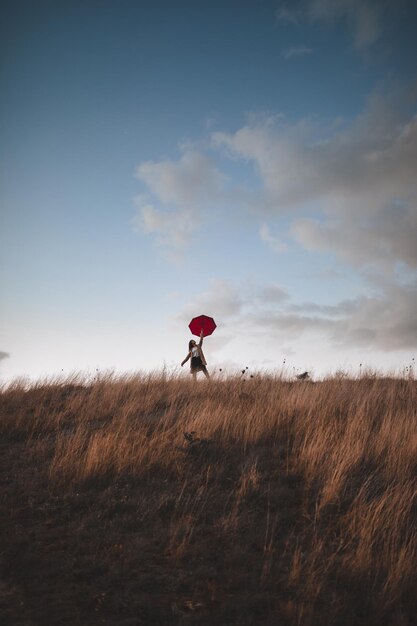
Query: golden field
147	499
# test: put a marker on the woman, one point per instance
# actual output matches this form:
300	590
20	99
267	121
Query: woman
198	362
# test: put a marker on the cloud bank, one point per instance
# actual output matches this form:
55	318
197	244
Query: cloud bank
347	189
384	320
360	179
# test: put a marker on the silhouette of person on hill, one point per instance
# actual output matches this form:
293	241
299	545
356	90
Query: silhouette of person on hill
196	354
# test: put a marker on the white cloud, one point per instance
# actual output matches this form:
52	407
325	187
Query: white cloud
172	229
360	181
296	51
272	294
221	297
287	15
327	274
384	320
278	152
190	181
275	243
179	195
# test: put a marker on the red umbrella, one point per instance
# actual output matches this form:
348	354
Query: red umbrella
202	322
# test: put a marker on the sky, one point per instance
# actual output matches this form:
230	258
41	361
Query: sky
254	161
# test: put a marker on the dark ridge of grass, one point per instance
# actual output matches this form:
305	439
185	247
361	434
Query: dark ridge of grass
245	528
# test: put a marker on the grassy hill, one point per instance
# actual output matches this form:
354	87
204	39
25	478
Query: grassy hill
153	500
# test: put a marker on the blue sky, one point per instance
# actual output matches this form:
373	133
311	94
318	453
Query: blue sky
254	161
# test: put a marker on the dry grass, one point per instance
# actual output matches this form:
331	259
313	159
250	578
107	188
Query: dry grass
292	503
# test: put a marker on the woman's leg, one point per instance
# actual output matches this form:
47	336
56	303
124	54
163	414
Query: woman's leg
206	374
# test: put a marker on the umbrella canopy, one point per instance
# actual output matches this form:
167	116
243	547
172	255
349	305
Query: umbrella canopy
202	323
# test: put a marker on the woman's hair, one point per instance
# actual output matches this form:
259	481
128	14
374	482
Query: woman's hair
191	343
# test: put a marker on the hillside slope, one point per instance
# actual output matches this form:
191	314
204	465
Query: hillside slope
150	500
